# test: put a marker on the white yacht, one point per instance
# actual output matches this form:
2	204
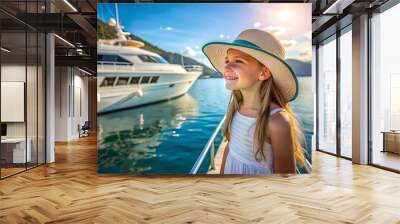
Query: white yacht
128	76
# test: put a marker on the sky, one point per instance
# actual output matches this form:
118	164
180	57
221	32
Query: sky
185	27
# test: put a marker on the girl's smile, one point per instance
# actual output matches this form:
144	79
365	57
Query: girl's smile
230	78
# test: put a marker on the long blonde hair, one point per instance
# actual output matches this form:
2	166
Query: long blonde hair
269	92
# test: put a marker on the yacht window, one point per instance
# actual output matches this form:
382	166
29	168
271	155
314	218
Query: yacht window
160	60
108	81
122	81
154	79
112	59
147	58
152	59
123	60
135	80
145	80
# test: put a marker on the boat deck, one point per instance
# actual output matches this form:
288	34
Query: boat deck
218	158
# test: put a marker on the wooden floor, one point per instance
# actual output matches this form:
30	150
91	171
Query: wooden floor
10	171
70	191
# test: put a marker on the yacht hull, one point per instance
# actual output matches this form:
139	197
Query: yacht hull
122	97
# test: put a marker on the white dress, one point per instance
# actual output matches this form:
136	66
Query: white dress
240	159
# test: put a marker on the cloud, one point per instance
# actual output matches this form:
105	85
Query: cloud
224	36
305	55
257	24
189	52
275	30
288	43
300	50
167	28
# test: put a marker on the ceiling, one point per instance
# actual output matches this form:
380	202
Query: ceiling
74	22
329	16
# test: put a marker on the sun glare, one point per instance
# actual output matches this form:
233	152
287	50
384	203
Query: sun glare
286	15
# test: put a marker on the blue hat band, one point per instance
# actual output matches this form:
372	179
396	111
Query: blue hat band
245	43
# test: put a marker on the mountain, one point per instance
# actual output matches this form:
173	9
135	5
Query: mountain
300	68
105	31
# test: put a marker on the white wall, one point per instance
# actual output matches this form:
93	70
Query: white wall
33	126
61	103
12	73
71	87
80	100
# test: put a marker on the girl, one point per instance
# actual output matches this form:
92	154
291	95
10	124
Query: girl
262	132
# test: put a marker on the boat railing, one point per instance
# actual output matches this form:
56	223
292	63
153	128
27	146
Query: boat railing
209	148
307	167
114	65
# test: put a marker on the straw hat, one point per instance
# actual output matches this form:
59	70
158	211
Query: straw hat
264	47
